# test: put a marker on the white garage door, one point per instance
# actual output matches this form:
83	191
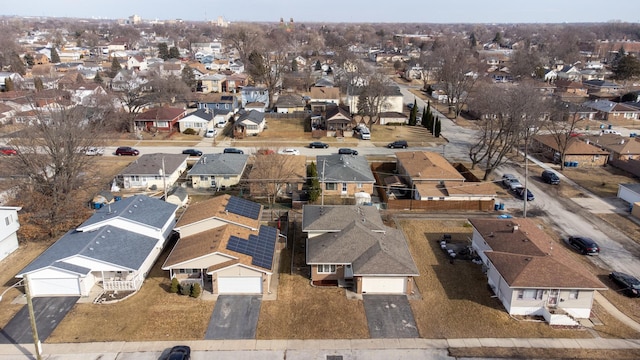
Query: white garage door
240	285
53	287
383	285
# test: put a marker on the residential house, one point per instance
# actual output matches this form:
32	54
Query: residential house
290	103
618	147
15	78
115	249
178	196
224	248
530	276
237	67
146	172
608	110
137	63
164	119
572	91
392	99
126	80
392	117
569	72
602	86
250	94
577	151
321	97
349	246
344	175
86	94
212	83
199	120
249	124
215	171
9	230
235	82
336	121
277	175
217	102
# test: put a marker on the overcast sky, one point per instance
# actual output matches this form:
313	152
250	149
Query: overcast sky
419	11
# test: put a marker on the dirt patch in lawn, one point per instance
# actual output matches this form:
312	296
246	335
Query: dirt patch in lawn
602	181
459	291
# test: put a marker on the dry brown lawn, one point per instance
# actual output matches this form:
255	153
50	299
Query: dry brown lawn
602	181
544	353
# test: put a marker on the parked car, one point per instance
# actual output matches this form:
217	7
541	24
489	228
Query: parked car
365	134
346	151
180	352
550	177
511	182
127	150
211	133
584	245
94	151
520	193
192	152
6	150
398	144
265	152
289	152
232	151
630	285
318	145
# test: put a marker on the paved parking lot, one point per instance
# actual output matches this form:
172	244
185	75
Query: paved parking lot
234	317
389	316
48	311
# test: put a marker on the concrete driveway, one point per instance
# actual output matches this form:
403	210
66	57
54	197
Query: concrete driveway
234	317
389	316
49	312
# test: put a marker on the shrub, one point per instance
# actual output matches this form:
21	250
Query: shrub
196	290
189	131
185	289
175	286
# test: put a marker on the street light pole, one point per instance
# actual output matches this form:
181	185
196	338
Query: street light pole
32	319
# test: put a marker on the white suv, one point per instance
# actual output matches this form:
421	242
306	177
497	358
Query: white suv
211	133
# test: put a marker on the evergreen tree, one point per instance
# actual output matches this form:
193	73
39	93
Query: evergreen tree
436	128
313	182
8	84
174	53
98	78
294	65
414	113
318	65
425	116
189	77
196	290
115	67
175	286
37	83
163	51
55	58
29	59
473	42
626	68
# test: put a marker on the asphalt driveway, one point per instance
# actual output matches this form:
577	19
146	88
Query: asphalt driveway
389	316
48	311
234	317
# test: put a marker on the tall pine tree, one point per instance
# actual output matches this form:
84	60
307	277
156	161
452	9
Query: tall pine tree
436	128
55	58
414	113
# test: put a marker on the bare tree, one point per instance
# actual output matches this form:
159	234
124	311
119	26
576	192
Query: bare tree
373	96
507	117
268	63
562	125
456	72
271	175
51	154
244	38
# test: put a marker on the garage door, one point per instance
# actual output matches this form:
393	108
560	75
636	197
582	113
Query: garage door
54	287
383	285
240	285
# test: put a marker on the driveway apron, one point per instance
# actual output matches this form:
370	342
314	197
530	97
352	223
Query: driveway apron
389	316
234	317
48	311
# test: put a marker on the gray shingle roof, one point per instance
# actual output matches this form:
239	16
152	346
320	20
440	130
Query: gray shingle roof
151	164
219	164
204	114
344	168
138	209
253	116
108	244
337	217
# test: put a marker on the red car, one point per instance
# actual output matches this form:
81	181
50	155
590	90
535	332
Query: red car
5	150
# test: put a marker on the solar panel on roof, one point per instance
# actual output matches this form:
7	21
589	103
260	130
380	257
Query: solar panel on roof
243	207
260	247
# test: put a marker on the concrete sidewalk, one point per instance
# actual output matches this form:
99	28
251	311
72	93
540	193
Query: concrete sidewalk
24	351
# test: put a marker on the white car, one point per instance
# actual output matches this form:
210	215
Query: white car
94	151
289	152
211	133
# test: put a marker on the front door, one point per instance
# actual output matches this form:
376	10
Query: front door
344	188
553	298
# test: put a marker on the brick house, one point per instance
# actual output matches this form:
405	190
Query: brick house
585	154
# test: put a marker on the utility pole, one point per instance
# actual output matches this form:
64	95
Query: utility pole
164	180
32	319
322	188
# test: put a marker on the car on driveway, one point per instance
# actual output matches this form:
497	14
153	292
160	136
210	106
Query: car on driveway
127	150
630	285
318	145
211	133
550	177
6	150
520	193
180	352
346	151
289	152
192	152
511	182
584	245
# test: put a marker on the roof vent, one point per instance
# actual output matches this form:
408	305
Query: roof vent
527	259
515	227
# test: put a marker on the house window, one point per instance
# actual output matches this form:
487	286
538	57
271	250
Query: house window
573	294
344	187
135	178
7	220
162	124
530	294
359	185
203	178
157	177
330	186
326	269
